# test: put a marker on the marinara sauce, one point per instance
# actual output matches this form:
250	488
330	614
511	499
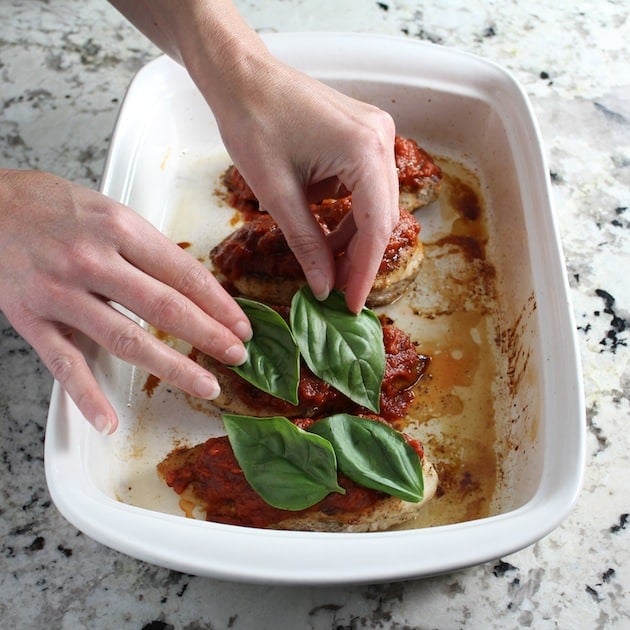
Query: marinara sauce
404	366
211	473
258	248
413	164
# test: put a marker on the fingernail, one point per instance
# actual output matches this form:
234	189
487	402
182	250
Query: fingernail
319	284
236	354
103	425
206	387
243	330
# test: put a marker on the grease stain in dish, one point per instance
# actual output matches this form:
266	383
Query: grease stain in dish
452	313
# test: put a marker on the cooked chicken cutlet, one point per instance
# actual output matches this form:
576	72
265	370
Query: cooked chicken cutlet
208	477
404	367
419	179
256	261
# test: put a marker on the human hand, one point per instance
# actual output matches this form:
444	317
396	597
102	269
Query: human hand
289	135
295	140
67	253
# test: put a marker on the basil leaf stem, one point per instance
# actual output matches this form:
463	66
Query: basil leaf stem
374	455
273	361
289	468
341	348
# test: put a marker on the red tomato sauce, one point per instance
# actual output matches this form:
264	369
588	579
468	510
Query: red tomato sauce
404	367
404	235
219	485
211	472
413	164
258	248
240	195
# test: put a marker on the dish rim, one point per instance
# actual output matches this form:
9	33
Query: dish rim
147	535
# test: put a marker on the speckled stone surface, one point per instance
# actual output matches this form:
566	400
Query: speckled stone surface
63	73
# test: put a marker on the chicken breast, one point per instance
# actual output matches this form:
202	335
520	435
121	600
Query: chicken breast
212	487
404	367
256	261
419	179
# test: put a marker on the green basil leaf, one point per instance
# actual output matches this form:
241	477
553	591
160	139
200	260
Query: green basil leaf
273	362
374	455
289	468
341	348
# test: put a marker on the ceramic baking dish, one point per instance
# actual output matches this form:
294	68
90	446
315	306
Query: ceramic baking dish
165	161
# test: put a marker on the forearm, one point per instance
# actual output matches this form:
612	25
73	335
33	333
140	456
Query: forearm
286	133
210	38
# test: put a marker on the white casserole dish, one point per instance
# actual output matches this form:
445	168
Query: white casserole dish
164	150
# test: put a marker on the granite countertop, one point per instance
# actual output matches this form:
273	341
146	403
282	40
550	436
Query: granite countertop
64	73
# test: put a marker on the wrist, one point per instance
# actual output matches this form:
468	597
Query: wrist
224	56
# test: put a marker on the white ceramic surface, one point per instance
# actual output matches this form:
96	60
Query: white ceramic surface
166	140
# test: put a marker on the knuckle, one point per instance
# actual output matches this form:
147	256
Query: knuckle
169	312
61	367
85	260
173	373
305	247
372	161
128	343
386	124
376	135
114	219
193	280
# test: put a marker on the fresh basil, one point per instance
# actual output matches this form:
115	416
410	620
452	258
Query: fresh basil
289	468
342	348
374	455
273	361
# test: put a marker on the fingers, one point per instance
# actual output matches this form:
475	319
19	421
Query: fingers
124	339
80	250
67	365
357	269
159	282
170	311
128	341
305	238
366	167
199	321
375	212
